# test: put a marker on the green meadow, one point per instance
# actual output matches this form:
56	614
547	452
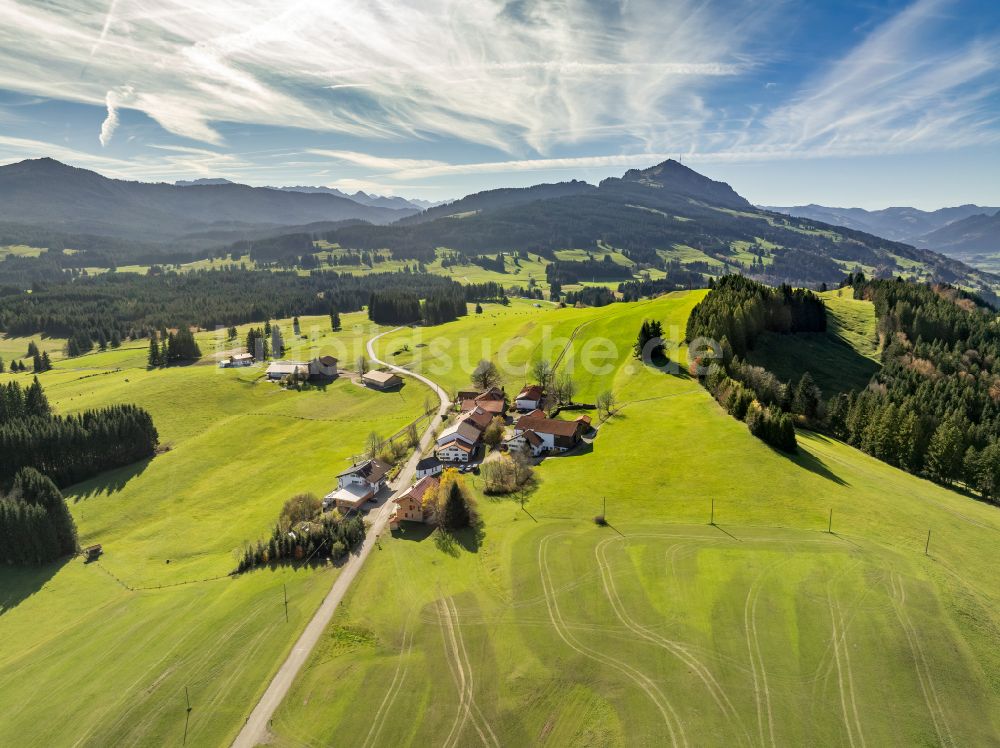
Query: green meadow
111	647
662	628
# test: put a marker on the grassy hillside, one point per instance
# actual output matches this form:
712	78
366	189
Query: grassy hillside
111	646
843	358
663	628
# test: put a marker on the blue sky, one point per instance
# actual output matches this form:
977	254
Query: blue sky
864	104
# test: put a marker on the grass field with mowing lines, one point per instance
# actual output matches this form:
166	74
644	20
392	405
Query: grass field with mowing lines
763	629
113	662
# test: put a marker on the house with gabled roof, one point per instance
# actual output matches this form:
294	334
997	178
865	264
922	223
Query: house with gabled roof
410	505
529	398
357	485
555	434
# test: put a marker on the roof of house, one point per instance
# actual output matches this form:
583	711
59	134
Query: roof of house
533	439
328	360
460	430
242	357
456	443
287	367
493	393
479	418
530	392
354	495
419	489
547	425
536	413
372	470
584	419
490	406
428	463
381	377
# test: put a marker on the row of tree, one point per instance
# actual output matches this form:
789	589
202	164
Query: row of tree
172	347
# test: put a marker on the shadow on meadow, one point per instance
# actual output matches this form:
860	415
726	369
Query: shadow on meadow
17	583
807	460
106	483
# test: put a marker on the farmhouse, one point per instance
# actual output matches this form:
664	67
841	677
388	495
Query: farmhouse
479	418
323	367
237	360
356	485
493	401
527	442
529	398
460	431
429	466
555	434
381	380
456	451
410	505
280	369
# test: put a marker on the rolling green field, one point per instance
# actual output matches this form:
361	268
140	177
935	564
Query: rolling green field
111	646
843	358
662	628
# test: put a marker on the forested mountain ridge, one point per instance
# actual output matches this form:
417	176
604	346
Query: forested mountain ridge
504	197
46	193
656	215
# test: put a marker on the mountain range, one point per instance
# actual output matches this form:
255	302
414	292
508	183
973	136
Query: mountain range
666	216
362	198
911	225
46	193
655	216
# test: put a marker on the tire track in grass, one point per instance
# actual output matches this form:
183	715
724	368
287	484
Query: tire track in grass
924	676
761	689
464	656
462	675
670	718
398	677
677	649
839	640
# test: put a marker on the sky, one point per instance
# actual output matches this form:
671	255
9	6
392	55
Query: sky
862	103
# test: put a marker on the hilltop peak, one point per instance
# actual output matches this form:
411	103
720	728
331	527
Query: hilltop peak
676	178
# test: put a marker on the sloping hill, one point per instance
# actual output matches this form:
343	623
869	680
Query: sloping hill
500	198
45	192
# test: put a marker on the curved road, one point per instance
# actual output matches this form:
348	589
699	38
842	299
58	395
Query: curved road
255	730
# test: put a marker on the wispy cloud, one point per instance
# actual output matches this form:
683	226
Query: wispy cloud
902	89
519	76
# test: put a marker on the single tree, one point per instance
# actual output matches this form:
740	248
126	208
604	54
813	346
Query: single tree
373	444
946	451
807	397
493	434
362	365
486	375
606	403
455	513
46	361
334	319
479	308
541	370
565	388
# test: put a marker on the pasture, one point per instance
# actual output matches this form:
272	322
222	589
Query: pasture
110	646
762	629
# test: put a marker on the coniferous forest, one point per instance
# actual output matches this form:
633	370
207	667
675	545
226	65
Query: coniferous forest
68	449
35	523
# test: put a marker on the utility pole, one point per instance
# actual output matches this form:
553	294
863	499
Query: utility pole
187	697
712	521
927	546
284	588
604	508
829	527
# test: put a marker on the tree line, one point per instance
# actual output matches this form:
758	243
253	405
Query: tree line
68	449
733	314
118	306
404	307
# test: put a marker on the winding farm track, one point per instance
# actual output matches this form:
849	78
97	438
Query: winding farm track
255	731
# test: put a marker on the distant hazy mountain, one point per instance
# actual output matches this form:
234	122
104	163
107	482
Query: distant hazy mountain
978	234
899	224
201	182
45	192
